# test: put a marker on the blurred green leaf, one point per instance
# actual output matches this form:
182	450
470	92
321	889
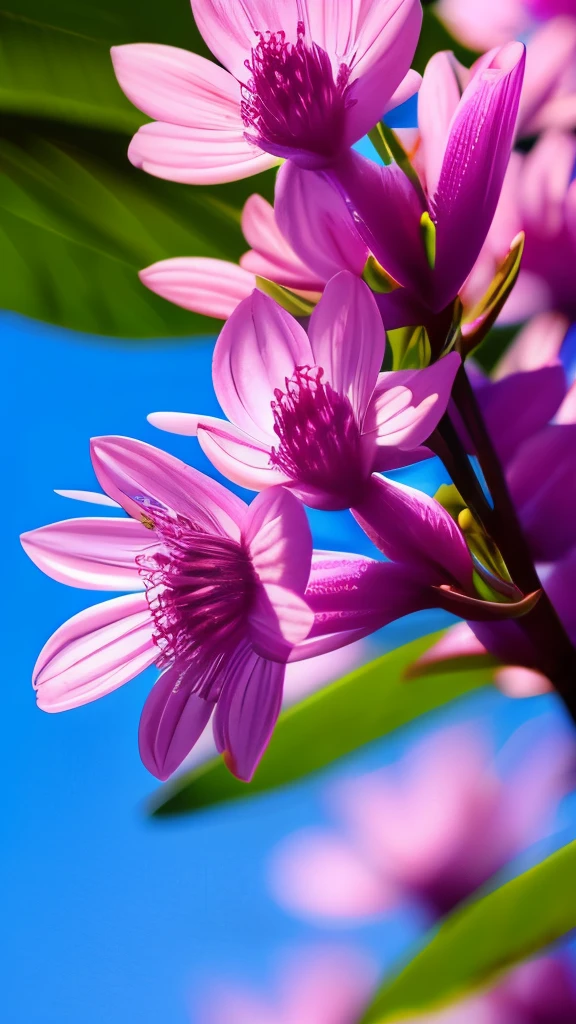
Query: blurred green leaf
484	938
361	707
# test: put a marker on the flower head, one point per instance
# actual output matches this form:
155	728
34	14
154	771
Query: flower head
304	81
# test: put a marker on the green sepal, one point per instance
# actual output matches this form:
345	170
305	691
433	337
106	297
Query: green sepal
410	348
478	320
378	279
285	297
428	232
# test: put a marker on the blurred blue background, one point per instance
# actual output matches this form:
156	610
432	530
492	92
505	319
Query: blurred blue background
110	917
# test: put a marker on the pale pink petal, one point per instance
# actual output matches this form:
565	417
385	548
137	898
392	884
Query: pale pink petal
174	85
93	554
185	423
258	348
314	218
457	642
142	477
348	340
229	29
322	876
385	43
438	99
408	404
277	536
538	344
481	24
95	652
409	85
93	497
247	710
516	681
551	50
567	411
271	256
196	156
173	718
278	620
202	285
530	296
239	458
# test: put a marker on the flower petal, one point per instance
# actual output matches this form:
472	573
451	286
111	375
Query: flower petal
93	497
277	536
95	652
141	477
173	718
412	528
538	344
438	99
174	85
93	554
271	256
457	642
278	620
348	340
475	162
551	50
196	156
230	29
542	483
237	456
258	348
203	285
518	406
408	404
313	217
247	710
516	681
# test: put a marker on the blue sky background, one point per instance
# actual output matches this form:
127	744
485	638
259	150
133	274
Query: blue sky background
111	918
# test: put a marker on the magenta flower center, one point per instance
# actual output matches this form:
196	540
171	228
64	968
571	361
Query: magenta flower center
200	588
292	102
319	436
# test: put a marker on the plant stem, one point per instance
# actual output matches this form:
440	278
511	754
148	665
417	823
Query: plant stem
542	625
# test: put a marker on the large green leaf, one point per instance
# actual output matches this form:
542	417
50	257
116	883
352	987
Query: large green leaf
361	707
484	938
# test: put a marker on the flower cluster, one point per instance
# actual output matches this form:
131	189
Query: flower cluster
366	287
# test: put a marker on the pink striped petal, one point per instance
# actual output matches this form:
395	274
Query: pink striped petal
142	477
348	340
93	554
173	718
438	99
271	256
196	156
312	215
277	536
258	347
408	404
200	284
229	29
93	497
247	710
240	458
174	85
94	653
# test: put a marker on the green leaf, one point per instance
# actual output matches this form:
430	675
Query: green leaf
361	707
482	939
77	223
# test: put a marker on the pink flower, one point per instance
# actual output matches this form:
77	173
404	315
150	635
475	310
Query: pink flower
304	80
301	253
431	829
313	412
218	604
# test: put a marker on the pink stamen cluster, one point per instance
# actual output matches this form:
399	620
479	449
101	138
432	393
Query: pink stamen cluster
291	100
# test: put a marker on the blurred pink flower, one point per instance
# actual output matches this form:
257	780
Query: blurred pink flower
322	241
305	79
431	829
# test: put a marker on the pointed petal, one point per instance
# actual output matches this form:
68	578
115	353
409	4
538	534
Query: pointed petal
348	340
247	710
278	620
411	527
312	215
196	156
408	404
174	85
203	285
95	652
258	348
520	405
240	458
271	256
385	44
438	99
277	536
142	477
474	166
172	719
93	554
93	497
